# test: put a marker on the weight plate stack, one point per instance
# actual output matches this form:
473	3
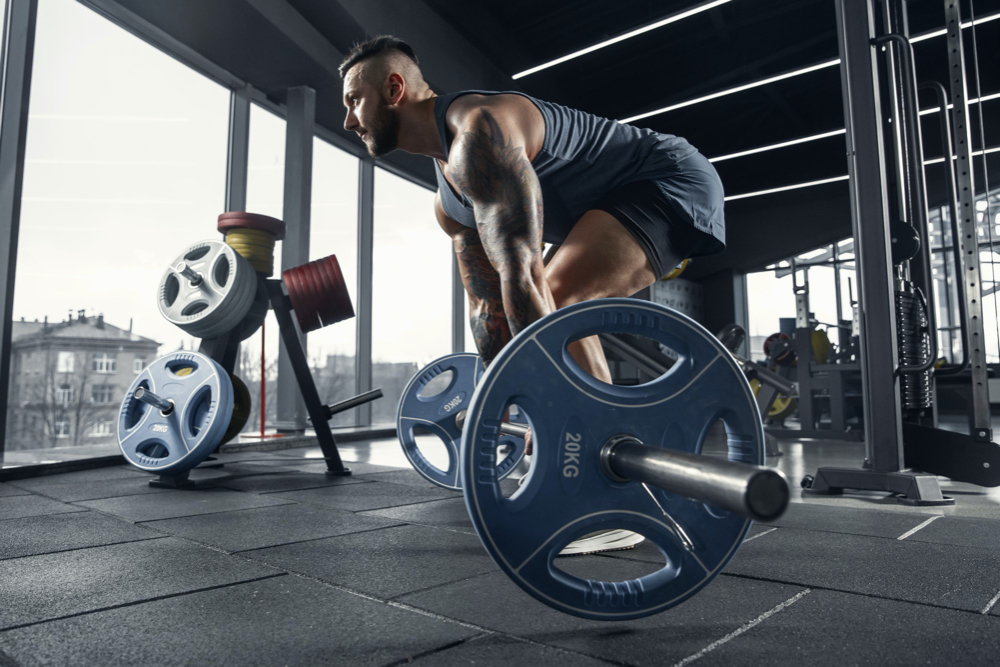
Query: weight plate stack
207	290
318	293
172	442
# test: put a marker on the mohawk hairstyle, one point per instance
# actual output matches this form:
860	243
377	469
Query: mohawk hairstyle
374	47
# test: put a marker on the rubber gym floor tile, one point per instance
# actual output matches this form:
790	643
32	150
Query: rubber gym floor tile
92	490
944	575
357	469
178	503
18	507
726	604
496	649
38	588
78	476
384	563
850	520
280	621
9	490
268	526
405	477
962	531
448	513
826	627
369	496
35	535
283	480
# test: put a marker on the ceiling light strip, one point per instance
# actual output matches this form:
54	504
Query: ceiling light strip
787	187
783	144
937	33
737	89
939	160
621	38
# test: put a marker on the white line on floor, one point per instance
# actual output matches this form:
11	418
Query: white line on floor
736	633
921	526
986	609
754	537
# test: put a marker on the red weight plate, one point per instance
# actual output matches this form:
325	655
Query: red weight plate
314	284
315	290
298	294
241	219
327	309
345	309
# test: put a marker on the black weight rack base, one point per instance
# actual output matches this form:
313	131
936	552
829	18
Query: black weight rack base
224	350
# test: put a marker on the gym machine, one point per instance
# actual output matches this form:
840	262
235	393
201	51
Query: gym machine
898	332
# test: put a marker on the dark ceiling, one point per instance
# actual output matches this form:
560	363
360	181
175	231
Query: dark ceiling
482	43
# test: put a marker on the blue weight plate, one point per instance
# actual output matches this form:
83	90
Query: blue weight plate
567	494
436	414
203	400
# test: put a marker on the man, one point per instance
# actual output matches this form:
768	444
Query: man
623	205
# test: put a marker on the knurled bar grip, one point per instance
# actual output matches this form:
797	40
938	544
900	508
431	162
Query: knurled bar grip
756	492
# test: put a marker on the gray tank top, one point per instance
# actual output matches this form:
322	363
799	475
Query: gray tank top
583	157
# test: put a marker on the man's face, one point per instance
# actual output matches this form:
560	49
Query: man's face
369	115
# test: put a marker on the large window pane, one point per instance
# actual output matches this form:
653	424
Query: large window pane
411	310
769	299
335	232
265	195
125	167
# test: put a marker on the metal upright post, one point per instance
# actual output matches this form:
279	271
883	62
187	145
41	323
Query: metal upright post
363	358
239	148
301	119
18	51
870	220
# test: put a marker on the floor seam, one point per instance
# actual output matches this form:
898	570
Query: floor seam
846	592
314	539
919	527
89	546
143	601
744	628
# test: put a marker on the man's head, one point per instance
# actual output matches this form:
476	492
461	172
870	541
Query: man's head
380	76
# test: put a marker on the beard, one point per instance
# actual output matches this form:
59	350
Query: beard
383	132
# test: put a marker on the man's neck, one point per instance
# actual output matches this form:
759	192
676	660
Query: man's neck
418	131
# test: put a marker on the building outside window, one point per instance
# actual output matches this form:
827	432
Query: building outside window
102	429
60	428
102	394
104	362
138	366
65	363
64	395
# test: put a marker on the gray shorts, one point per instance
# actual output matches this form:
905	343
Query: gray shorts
673	218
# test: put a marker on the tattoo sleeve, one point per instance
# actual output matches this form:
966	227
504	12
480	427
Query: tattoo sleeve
494	172
482	282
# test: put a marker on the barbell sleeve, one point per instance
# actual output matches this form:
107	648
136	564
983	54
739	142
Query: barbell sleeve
188	273
148	397
753	491
360	399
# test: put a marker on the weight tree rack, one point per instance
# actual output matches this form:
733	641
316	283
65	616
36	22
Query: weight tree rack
224	350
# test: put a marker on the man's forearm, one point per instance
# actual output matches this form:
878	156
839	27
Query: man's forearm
486	309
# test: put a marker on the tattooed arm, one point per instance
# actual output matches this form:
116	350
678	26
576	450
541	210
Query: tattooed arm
489	165
482	283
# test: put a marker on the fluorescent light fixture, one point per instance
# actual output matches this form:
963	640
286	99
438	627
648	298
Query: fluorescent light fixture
783	144
939	160
737	89
787	187
937	33
985	98
621	38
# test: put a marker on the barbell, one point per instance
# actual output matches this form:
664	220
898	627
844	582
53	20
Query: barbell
617	457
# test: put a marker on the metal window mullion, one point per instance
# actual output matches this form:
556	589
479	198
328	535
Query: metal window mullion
239	149
15	92
363	355
299	131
